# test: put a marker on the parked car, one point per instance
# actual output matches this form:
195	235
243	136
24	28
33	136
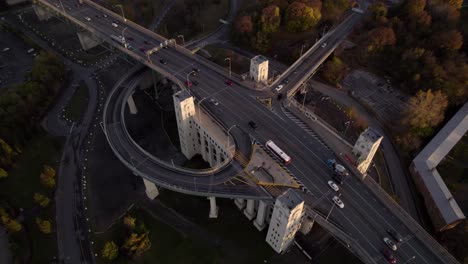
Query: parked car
390	243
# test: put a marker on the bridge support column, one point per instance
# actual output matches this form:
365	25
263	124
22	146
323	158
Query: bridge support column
132	105
42	13
259	222
88	40
306	225
240	203
249	211
213	208
150	189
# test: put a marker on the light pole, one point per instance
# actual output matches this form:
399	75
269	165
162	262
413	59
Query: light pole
123	36
413	257
229	59
302	49
62	6
183	39
331	209
305	96
188	74
347	126
228	135
273	78
123	15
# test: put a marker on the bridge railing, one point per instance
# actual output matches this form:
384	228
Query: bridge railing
347	241
410	223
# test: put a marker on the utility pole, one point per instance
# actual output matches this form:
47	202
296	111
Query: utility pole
183	39
123	15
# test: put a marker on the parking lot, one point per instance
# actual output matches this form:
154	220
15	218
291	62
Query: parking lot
15	61
378	94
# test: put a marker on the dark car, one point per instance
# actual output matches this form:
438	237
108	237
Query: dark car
188	83
280	96
253	125
337	179
163	61
389	256
146	42
196	70
286	81
395	235
229	82
194	73
142	50
195	83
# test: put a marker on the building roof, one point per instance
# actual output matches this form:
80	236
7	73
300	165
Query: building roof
427	160
371	135
259	59
182	95
290	198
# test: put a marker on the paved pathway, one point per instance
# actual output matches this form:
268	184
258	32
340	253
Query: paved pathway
5	253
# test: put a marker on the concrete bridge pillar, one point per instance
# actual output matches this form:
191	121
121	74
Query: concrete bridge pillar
213	208
240	203
42	13
249	211
150	189
132	105
259	222
306	225
88	40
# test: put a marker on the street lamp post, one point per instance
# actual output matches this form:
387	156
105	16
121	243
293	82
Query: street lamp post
123	15
63	8
183	39
229	59
413	257
123	36
347	126
302	49
331	209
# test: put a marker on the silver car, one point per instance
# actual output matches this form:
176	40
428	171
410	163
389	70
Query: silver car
390	243
338	202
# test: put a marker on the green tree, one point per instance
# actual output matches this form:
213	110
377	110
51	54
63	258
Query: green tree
270	19
425	111
415	7
261	41
129	222
7	154
42	200
301	17
334	70
380	37
136	244
110	251
44	225
12	225
3	173
48	177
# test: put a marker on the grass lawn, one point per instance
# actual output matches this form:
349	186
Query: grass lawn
167	244
78	103
18	189
380	167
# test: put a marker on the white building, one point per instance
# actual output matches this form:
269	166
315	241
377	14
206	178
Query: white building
285	221
259	69
365	148
198	133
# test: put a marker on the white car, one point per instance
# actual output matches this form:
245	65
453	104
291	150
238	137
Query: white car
333	185
87	18
323	45
104	15
338	202
214	101
6	49
390	243
114	25
279	87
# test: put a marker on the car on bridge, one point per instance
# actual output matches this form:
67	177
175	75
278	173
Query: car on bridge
323	45
338	202
253	125
229	82
87	18
104	15
195	82
286	81
395	235
390	243
389	256
163	61
188	83
333	185
279	87
146	42
213	101
114	25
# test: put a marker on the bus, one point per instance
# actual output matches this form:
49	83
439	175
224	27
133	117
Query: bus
280	153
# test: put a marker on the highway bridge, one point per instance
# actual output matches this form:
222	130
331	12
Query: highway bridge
367	214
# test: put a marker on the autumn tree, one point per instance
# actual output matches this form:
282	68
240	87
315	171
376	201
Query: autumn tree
3	173
48	177
334	70
301	17
380	37
334	9
12	225
415	7
261	41
41	199
450	40
426	110
136	244
110	251
244	24
129	222
270	19
44	225
7	154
